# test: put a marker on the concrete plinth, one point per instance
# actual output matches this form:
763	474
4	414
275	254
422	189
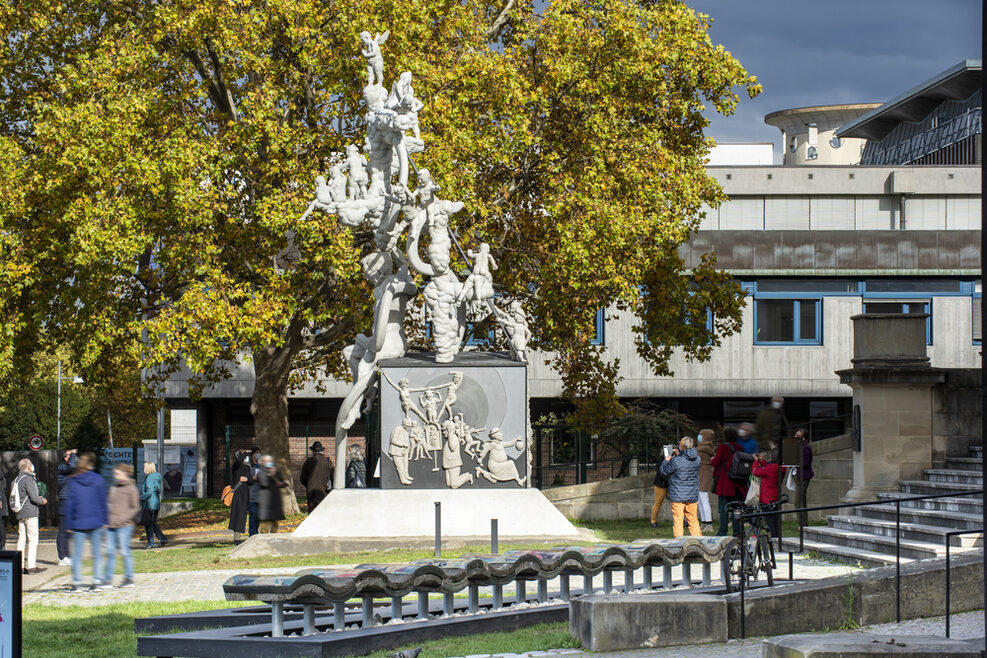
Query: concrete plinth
864	645
609	623
522	514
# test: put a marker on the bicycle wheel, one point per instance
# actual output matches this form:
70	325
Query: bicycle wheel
765	558
730	568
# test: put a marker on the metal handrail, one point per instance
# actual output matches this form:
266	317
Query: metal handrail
897	548
953	533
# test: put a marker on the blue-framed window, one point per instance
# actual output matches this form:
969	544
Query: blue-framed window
782	321
894	295
906	306
599	334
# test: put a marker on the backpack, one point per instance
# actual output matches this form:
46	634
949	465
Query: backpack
741	467
16	504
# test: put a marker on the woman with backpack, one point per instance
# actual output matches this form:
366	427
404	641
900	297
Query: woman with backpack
26	503
660	485
241	479
726	490
151	501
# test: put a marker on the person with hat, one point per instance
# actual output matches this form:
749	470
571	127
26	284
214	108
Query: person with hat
241	479
315	476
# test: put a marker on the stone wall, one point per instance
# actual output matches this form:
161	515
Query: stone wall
832	467
623	498
956	415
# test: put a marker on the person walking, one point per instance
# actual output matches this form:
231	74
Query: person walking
682	469
269	485
253	522
242	479
4	511
705	449
726	490
151	500
123	503
315	476
746	440
805	474
771	425
660	486
356	470
766	467
27	516
65	470
86	515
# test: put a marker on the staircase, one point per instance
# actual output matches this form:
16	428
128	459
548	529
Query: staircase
867	534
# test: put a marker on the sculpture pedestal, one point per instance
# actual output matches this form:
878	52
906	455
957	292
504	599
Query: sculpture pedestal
407	517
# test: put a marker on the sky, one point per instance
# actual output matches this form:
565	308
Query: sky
829	52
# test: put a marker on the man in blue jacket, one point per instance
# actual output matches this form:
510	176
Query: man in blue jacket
682	469
87	516
65	468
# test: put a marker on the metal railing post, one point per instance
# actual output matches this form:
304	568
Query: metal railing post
897	560
947	585
438	529
494	540
743	581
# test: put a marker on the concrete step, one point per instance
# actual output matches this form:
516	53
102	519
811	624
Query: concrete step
965	464
928	534
954	476
841	553
962	504
873	543
925	487
929	517
977	451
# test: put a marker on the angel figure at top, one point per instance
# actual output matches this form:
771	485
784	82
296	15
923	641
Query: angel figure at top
375	61
479	284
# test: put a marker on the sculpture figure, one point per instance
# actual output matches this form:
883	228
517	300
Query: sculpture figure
399	449
402	100
448	318
418	443
515	323
375	61
479	284
500	467
387	341
323	199
457	381
433	435
452	459
356	167
470	436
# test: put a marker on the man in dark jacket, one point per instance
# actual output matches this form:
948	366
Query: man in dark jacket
87	515
805	474
682	469
65	468
269	485
315	476
771	425
27	516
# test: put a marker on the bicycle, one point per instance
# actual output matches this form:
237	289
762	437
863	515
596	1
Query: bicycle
760	554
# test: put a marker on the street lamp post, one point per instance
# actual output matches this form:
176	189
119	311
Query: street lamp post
74	380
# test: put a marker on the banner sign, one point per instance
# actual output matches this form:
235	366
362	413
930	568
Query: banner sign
10	604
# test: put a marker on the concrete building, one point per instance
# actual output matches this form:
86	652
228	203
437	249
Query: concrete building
813	243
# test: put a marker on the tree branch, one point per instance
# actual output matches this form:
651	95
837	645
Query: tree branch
498	23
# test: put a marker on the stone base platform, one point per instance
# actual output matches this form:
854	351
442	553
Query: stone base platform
377	519
861	645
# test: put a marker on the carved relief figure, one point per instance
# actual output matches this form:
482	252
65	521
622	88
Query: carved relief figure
400	449
452	459
457	381
418	443
323	198
500	467
375	61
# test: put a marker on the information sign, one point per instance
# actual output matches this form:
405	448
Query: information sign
10	604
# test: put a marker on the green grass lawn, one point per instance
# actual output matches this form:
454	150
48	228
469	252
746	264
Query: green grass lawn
106	630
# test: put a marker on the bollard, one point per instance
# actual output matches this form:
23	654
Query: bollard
368	612
587	584
519	594
438	529
564	586
648	578
397	608
277	619
474	598
494	543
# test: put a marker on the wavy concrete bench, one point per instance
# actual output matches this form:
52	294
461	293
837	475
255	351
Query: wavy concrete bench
323	587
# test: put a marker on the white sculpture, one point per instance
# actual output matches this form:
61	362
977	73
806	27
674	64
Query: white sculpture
479	284
500	467
515	324
356	168
399	449
375	60
448	317
452	459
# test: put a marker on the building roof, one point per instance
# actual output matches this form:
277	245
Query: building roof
955	83
795	119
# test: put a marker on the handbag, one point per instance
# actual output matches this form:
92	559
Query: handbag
143	516
753	492
228	492
791	481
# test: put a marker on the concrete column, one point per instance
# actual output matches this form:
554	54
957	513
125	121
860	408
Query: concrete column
892	397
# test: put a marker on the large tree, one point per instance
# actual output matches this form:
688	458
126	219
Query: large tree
156	157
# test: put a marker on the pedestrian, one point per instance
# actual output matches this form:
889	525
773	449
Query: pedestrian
726	490
65	469
660	486
242	479
86	515
766	467
4	511
269	485
30	501
123	504
705	449
771	425
682	469
356	470
151	501
746	440
805	474
315	476
253	522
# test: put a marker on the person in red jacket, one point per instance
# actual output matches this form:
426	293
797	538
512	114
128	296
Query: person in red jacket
766	467
726	489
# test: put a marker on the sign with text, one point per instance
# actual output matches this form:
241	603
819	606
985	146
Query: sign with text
10	604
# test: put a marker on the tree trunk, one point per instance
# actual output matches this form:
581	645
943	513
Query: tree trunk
269	408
